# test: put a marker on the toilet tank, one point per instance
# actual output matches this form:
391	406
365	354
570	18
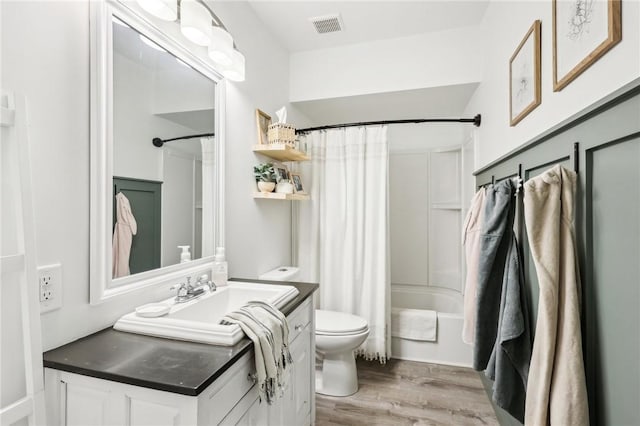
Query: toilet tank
283	273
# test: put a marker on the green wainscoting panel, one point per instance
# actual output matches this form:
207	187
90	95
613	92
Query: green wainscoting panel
614	330
145	198
608	239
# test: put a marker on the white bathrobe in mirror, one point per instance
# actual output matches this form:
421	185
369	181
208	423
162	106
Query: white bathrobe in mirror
126	227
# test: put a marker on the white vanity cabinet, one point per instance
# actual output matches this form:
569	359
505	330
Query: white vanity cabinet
232	399
297	406
303	395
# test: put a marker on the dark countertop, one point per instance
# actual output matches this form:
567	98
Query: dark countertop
168	365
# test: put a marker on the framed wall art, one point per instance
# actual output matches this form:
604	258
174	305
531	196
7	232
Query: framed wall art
525	93
583	31
263	120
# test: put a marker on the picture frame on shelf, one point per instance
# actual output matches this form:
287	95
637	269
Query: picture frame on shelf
263	121
281	171
583	31
525	92
298	187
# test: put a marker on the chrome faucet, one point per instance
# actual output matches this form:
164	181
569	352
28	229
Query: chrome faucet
204	280
187	292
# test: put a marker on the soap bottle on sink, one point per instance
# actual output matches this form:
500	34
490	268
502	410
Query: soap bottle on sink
220	272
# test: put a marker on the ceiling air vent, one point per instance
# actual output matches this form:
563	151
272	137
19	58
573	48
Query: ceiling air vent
327	23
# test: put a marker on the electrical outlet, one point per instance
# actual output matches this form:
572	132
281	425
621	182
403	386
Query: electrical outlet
50	287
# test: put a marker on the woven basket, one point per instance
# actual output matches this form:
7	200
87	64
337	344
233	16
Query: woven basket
282	133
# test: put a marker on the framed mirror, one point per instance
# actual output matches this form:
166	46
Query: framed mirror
157	199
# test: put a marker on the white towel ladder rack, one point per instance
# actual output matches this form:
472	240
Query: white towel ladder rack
22	370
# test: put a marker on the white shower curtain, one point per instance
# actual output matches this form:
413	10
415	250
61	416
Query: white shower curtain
343	230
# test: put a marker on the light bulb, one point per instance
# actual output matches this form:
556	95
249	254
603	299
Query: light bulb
236	71
221	47
195	22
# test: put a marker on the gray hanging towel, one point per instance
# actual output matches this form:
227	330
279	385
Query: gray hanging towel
509	363
495	242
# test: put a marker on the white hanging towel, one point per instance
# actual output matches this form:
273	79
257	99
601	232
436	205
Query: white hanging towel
126	227
556	390
414	324
471	237
268	329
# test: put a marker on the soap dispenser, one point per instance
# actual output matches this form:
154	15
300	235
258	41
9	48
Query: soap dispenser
219	268
185	256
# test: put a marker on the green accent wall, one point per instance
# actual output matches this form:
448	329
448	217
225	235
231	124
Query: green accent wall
608	238
145	198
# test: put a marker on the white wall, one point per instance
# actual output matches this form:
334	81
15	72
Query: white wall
51	67
134	123
56	85
182	88
178	201
428	60
505	24
258	233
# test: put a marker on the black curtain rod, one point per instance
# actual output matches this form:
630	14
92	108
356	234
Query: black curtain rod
475	120
159	142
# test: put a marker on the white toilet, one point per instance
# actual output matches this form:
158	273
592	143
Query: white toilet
338	334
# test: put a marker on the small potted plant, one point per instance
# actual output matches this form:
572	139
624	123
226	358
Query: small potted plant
265	176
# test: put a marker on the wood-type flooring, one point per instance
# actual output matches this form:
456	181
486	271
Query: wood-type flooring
409	393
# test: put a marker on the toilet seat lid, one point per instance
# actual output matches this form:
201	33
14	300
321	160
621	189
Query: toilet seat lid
337	323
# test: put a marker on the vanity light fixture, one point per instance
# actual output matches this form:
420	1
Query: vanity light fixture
201	26
166	10
221	47
235	72
195	22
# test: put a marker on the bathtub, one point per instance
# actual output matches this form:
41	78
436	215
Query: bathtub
448	348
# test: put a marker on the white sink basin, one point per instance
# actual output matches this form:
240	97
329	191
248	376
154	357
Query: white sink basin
198	320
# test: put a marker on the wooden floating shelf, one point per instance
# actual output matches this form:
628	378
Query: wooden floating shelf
277	196
280	152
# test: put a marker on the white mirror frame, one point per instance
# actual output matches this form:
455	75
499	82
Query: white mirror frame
101	173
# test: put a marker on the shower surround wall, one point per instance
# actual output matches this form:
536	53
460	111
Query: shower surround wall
427	203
